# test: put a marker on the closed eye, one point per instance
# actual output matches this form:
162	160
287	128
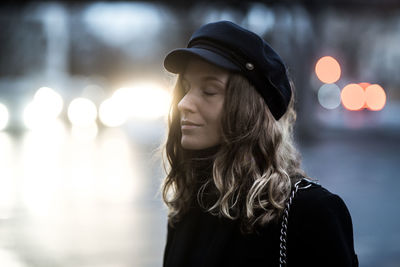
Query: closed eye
210	89
209	93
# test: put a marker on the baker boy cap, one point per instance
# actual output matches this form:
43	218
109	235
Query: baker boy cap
234	48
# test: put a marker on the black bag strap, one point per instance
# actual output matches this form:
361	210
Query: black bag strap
303	183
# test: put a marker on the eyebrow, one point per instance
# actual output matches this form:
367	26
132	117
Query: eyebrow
212	78
207	78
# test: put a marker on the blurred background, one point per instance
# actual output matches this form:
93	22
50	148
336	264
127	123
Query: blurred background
83	104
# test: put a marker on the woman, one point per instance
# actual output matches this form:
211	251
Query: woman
234	185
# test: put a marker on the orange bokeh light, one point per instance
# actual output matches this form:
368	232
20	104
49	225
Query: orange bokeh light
375	97
364	85
353	97
328	69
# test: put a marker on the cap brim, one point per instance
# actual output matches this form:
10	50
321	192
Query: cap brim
177	59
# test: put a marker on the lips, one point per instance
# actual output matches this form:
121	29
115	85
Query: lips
190	123
187	125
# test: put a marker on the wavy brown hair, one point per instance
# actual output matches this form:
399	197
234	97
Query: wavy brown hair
253	170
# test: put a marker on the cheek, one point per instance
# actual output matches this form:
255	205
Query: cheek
218	116
214	124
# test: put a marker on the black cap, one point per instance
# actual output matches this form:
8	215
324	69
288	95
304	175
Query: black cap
232	47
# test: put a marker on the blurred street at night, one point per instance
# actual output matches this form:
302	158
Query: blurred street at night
84	100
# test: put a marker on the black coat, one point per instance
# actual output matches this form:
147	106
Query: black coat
320	233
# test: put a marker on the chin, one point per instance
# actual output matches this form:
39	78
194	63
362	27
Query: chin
191	145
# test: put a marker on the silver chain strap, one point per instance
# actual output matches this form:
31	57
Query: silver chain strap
285	220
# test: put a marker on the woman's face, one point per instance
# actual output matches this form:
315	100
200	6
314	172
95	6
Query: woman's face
200	108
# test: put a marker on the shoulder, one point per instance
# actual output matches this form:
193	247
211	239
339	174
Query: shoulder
319	221
319	204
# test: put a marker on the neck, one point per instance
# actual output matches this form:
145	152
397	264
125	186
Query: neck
202	154
201	162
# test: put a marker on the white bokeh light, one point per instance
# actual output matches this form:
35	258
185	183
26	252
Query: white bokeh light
44	110
329	96
50	101
82	112
4	116
143	101
260	18
119	23
111	114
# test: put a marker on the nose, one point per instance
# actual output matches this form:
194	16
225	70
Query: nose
187	103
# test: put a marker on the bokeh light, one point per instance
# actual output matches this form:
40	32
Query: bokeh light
328	69
260	19
364	85
143	101
375	97
119	23
4	116
353	97
44	109
329	96
82	112
49	100
111	114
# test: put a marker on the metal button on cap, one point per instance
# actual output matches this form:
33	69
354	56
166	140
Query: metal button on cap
249	66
